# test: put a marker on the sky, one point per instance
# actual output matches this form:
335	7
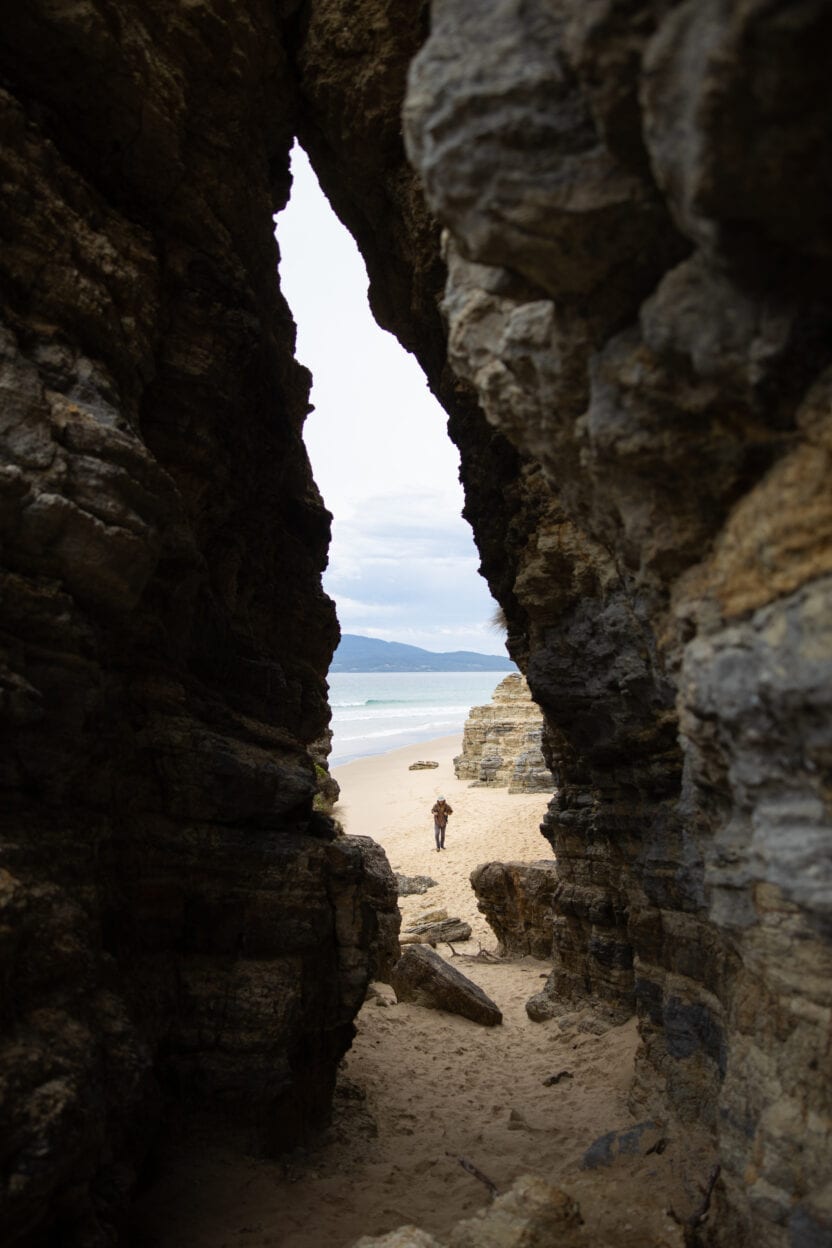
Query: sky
403	565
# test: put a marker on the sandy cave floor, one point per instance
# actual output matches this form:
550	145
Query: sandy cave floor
420	1088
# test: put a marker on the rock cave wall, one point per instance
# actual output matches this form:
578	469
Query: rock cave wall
633	348
638	290
180	932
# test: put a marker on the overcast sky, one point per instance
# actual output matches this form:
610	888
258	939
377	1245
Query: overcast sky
403	565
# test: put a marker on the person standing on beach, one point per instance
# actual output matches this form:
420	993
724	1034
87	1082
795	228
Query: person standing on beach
440	811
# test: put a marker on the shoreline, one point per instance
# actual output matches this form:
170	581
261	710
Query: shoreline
417	749
394	749
376	712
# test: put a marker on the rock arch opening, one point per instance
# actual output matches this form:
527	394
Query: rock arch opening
635	362
402	560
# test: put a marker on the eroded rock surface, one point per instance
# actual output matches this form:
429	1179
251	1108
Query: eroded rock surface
531	1214
423	978
635	358
643	317
501	741
518	901
431	932
177	921
410	885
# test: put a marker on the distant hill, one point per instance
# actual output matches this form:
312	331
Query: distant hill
367	654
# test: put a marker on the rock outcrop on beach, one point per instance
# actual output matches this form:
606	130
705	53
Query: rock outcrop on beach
409	885
502	742
635	354
518	901
530	1213
422	977
366	913
431	929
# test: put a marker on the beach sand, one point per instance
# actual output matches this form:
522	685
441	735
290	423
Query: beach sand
381	798
421	1088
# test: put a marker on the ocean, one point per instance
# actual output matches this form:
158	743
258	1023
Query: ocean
373	712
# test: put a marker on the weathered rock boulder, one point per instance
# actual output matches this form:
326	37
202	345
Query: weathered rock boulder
518	902
367	915
409	885
531	1214
541	1006
434	931
531	773
422	765
433	916
501	742
421	977
403	1237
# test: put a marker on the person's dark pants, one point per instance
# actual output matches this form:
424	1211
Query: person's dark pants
439	833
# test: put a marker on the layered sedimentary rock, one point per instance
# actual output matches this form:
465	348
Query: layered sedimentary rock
435	928
501	742
645	315
176	921
328	788
636	197
518	902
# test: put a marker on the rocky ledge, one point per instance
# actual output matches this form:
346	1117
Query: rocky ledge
635	353
501	742
518	902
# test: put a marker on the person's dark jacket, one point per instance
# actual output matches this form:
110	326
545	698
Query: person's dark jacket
440	812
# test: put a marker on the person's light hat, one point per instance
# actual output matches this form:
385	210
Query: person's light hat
440	799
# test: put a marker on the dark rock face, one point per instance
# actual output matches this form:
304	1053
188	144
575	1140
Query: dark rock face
644	317
517	899
176	920
328	788
604	1150
366	908
636	360
421	977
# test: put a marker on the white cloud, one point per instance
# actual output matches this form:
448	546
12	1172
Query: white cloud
402	563
385	530
350	609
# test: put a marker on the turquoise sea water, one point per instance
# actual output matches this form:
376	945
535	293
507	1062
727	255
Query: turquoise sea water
373	712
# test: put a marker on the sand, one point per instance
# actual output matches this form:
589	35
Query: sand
420	1088
381	798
